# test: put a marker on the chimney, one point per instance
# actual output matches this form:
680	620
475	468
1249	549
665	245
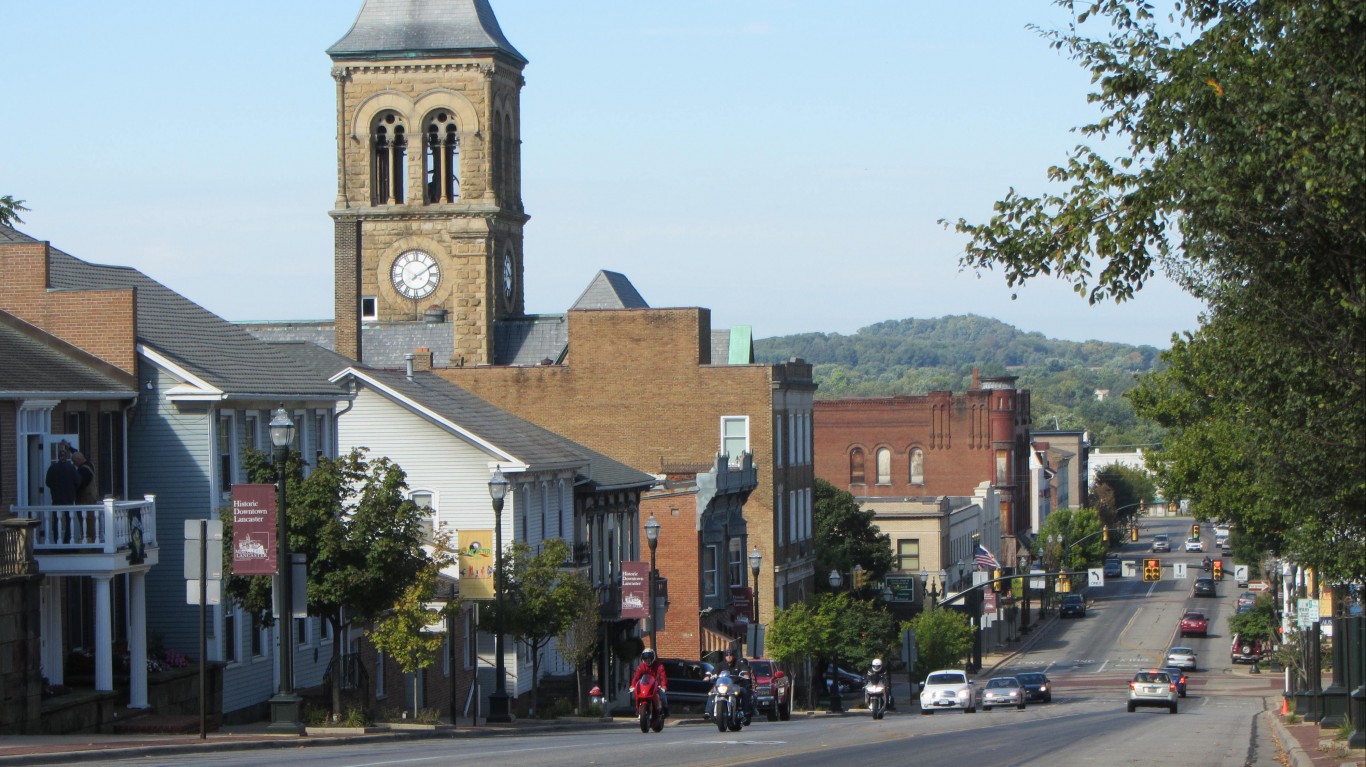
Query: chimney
408	360
422	361
976	380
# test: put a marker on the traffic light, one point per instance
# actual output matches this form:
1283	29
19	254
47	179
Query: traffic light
1218	570
860	577
1105	535
1152	570
1195	531
1064	584
1133	533
996	580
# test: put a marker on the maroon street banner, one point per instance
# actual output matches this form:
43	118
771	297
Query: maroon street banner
635	590
253	530
742	603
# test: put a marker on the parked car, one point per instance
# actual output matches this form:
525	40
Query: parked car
1194	544
1177	676
688	683
1073	606
1152	688
1003	691
849	681
1161	544
1204	587
772	688
1247	650
947	689
1037	686
1181	657
1194	623
1114	568
1246	599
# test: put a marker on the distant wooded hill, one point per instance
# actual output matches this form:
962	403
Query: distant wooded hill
915	356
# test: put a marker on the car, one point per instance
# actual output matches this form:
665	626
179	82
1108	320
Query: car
1152	688
849	681
1177	676
1161	544
1037	686
772	688
1247	650
1073	606
1194	544
1246	599
688	682
1225	549
1113	568
1204	587
1181	657
947	689
1003	691
1194	623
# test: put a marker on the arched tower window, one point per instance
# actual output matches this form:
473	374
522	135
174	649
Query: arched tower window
496	157
441	161
856	475
884	466
389	147
917	466
509	146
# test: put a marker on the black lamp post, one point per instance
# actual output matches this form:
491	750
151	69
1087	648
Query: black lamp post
652	537
931	589
756	560
836	700
284	706
499	708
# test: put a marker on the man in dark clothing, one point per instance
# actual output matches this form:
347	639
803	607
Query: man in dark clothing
62	479
730	664
87	489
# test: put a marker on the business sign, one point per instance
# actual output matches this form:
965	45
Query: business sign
254	550
903	589
635	590
476	561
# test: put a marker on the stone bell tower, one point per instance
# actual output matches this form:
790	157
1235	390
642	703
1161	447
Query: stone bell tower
428	216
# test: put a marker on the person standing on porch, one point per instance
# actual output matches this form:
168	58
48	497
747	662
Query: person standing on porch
87	489
62	479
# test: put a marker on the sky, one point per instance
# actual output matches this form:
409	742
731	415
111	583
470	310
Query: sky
783	163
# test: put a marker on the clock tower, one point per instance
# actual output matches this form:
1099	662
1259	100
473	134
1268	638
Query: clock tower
428	211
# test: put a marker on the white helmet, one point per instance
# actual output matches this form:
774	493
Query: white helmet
877	663
648	655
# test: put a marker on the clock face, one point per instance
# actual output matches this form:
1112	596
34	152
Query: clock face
415	274
509	278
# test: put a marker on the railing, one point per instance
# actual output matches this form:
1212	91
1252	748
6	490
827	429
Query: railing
16	548
107	527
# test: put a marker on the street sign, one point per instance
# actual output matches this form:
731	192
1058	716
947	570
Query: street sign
213	591
1096	577
903	589
1179	570
1130	568
1240	573
1037	580
1307	612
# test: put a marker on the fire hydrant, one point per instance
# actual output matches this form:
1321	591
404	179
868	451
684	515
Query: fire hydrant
595	695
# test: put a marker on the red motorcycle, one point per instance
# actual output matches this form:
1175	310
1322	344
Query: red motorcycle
649	709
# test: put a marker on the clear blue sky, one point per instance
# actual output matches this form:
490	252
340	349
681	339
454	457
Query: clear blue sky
781	162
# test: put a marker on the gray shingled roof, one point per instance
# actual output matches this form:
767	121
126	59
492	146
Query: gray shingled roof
610	290
423	28
13	235
533	445
224	355
40	364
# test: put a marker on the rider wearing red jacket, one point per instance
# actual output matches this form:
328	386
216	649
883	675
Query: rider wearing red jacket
649	664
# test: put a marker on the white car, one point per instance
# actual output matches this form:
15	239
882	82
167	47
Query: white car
1194	544
948	689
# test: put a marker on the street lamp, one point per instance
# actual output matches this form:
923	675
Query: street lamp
499	708
652	537
284	707
836	701
932	589
756	560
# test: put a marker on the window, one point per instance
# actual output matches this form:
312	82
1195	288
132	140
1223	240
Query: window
301	631
735	437
389	147
1003	467
423	500
917	466
884	466
856	476
442	159
778	440
224	443
736	569
322	437
230	632
908	555
258	636
369	308
709	571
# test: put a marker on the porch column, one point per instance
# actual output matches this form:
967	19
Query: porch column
53	659
104	635
137	639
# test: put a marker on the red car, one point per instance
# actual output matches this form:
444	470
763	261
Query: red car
772	688
1194	623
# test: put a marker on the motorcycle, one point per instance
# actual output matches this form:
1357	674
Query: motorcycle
727	702
876	695
1205	565
648	708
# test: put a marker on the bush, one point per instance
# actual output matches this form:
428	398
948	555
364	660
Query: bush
558	707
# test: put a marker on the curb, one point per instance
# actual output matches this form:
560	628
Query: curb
1290	745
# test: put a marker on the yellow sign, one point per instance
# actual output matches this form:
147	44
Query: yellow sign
476	564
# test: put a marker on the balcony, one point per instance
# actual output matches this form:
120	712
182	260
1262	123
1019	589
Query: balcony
92	539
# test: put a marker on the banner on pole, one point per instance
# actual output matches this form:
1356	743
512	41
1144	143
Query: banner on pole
635	590
476	562
253	530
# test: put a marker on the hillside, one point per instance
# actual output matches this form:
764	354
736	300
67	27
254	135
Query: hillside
915	356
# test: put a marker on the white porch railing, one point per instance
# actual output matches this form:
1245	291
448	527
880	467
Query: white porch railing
106	527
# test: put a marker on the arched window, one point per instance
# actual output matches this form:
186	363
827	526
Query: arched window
917	466
509	188
496	156
884	466
441	162
389	147
856	476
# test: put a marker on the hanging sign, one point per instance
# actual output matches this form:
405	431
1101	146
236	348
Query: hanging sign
253	530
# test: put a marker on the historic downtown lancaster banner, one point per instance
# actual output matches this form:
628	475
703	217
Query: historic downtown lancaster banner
253	530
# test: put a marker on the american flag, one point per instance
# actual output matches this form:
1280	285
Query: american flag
985	560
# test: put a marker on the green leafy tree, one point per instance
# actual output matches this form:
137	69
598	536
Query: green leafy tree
401	633
846	536
1071	539
943	638
1257	623
795	637
1245	125
10	209
541	598
578	642
363	540
1119	491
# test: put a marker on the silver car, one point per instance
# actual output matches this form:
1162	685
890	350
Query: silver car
1153	688
1003	691
1181	657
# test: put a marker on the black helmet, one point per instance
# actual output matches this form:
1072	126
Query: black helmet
648	655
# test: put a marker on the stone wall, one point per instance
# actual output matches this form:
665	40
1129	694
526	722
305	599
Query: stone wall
21	681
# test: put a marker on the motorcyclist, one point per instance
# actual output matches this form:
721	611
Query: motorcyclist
878	674
649	664
1206	563
734	667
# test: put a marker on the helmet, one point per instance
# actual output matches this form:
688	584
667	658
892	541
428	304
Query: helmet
648	655
877	663
729	653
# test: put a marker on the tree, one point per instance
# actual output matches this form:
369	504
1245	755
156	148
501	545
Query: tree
834	626
402	633
942	639
362	539
578	644
540	599
1118	492
10	209
1245	125
1071	539
846	536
